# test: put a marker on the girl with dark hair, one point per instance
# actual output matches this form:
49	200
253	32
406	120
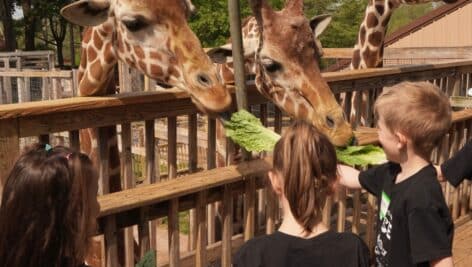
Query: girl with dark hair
304	174
49	209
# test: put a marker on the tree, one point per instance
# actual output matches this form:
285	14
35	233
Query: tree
6	18
30	18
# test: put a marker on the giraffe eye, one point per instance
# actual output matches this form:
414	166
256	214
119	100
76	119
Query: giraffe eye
270	65
135	25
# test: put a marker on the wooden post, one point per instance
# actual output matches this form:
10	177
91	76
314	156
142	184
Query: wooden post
173	224
7	83
9	147
129	182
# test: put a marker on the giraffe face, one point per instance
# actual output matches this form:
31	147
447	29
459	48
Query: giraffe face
153	36
288	74
222	55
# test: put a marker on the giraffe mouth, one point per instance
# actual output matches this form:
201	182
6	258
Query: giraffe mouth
163	84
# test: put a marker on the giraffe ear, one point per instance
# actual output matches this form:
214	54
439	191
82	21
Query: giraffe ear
87	12
190	8
319	24
221	54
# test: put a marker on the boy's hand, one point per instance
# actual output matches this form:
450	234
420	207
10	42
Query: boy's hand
441	177
348	177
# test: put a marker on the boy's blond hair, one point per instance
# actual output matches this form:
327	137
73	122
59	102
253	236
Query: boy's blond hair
420	110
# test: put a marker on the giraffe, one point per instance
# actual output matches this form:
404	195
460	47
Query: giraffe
222	57
287	72
369	48
152	36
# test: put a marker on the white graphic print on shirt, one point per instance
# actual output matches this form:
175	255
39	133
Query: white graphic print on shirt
384	235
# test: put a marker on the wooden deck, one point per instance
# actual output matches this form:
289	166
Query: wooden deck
462	246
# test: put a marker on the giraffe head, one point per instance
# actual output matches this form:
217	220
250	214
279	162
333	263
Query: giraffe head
153	36
287	71
222	55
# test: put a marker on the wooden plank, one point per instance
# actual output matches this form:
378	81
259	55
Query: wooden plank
111	242
129	182
173	229
166	190
227	226
201	239
356	213
192	166
172	147
37	74
74	141
370	232
213	251
103	161
341	224
461	101
149	151
249	209
9	147
337	52
173	225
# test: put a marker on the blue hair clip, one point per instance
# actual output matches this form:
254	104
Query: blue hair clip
47	147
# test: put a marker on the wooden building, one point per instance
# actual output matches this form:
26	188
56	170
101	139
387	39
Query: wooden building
443	34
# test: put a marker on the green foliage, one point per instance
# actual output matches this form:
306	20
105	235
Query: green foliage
347	17
148	260
407	13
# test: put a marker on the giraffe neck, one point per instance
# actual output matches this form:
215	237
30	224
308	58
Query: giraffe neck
97	61
368	51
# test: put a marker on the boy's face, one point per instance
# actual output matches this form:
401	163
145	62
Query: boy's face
389	141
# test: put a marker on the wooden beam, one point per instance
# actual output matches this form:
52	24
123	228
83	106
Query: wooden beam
193	183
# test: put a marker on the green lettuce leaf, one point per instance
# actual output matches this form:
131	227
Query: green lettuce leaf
247	131
361	155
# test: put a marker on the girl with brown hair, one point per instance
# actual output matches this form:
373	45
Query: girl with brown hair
304	174
49	209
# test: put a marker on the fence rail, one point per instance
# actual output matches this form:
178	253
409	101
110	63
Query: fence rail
137	207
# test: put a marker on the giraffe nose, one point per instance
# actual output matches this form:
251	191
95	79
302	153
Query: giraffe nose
204	80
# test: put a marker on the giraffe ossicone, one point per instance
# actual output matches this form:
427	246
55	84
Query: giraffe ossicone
152	36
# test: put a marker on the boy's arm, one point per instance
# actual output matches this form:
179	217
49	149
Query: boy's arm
349	177
444	262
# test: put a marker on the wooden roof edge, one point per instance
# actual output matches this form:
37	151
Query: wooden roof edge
427	19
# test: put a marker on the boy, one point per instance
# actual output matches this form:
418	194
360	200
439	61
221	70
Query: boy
414	224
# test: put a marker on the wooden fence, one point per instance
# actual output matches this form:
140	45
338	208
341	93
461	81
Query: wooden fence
31	76
135	207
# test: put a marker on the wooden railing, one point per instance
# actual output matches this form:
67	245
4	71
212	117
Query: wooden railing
136	207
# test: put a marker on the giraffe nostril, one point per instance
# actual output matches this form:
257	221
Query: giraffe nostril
330	122
204	80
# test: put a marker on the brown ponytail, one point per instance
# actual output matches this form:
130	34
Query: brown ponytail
306	160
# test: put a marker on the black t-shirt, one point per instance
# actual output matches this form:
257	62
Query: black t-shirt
414	224
328	249
459	166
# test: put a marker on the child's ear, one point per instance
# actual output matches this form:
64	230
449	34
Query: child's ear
276	182
402	140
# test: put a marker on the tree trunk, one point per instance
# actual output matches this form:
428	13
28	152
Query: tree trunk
72	48
30	29
60	55
6	12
